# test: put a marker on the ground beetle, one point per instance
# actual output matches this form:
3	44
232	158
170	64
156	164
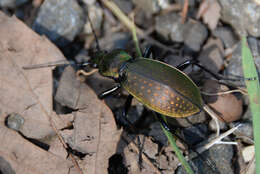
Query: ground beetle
159	86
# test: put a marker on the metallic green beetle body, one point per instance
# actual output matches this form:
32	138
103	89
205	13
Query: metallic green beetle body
157	85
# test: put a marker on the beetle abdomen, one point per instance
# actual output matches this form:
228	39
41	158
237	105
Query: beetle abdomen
158	92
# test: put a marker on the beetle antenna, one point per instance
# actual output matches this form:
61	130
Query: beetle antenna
93	31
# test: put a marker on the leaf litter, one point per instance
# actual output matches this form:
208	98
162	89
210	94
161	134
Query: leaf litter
29	94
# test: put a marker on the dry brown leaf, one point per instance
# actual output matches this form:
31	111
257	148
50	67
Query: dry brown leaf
95	132
28	93
209	10
24	157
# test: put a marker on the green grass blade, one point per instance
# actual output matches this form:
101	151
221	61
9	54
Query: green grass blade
252	84
176	149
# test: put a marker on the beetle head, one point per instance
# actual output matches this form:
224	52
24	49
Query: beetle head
110	63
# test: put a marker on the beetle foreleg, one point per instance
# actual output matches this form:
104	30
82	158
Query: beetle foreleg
148	51
109	91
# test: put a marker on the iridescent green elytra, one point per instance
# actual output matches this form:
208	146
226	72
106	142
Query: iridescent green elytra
157	85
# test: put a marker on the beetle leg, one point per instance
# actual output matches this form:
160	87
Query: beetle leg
210	163
127	105
187	63
148	51
164	124
109	91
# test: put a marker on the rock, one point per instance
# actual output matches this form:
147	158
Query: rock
226	35
125	5
235	64
96	17
189	121
195	133
115	41
169	26
228	107
59	20
212	125
195	34
248	153
14	121
245	132
11	3
243	15
212	55
6	167
152	6
219	155
157	133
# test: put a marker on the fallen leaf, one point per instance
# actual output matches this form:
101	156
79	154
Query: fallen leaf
24	157
209	10
95	132
29	92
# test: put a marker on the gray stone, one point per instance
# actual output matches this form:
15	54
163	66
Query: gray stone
245	132
226	35
125	5
219	155
15	121
96	16
152	6
157	133
212	55
11	3
59	20
115	41
5	166
169	26
235	65
195	34
195	133
242	15
189	121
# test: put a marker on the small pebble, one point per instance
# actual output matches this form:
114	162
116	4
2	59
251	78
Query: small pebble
195	34
169	26
59	20
11	3
14	121
248	153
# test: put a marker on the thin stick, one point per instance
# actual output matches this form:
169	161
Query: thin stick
213	116
184	11
127	22
224	92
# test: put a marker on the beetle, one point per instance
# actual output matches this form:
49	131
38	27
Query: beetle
159	86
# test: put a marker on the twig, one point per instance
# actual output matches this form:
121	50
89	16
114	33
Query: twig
184	11
128	23
214	141
224	92
213	116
